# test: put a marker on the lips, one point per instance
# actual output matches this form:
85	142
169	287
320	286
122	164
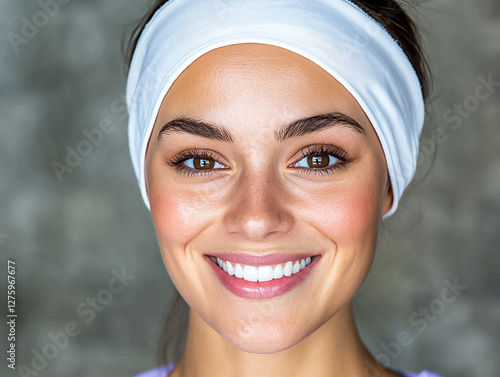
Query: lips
261	277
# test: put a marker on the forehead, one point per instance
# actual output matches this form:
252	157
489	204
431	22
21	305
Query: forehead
259	82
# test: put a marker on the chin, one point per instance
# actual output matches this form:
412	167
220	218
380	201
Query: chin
266	339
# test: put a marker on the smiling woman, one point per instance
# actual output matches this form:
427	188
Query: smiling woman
269	140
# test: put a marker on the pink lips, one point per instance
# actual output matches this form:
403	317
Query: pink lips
261	290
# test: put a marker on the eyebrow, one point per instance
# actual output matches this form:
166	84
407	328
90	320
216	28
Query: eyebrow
296	128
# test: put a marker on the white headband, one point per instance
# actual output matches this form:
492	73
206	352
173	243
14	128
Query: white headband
335	34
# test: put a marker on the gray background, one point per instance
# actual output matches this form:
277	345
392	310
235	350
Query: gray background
67	236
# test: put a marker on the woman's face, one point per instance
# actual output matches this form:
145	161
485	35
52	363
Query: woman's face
286	166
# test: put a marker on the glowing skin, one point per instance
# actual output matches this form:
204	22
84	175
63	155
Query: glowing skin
259	200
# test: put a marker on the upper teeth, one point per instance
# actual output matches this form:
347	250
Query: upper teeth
263	273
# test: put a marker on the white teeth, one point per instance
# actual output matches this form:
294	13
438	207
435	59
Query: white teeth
238	271
278	272
250	273
230	268
263	273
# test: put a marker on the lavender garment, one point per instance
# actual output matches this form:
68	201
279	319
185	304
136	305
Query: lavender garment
424	373
163	372
158	372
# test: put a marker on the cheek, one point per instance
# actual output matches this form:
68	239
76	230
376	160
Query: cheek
172	217
349	218
350	214
178	216
178	212
359	212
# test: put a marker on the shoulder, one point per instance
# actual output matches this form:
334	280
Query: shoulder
424	373
158	372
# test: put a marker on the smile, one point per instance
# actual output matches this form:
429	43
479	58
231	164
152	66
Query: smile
261	277
262	273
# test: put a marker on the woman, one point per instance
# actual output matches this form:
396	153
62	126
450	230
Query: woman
269	139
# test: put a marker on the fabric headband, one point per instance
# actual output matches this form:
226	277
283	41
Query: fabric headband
335	34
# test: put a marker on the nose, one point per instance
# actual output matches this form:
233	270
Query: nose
258	207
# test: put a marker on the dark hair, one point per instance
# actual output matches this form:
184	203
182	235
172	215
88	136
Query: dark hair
388	13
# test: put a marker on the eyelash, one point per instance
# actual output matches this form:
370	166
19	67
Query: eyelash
178	159
338	153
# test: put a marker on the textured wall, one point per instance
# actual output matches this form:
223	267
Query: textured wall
70	235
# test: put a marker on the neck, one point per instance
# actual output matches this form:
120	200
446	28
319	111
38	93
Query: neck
335	349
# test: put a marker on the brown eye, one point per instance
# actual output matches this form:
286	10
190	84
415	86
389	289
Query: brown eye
318	160
203	163
196	162
321	160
